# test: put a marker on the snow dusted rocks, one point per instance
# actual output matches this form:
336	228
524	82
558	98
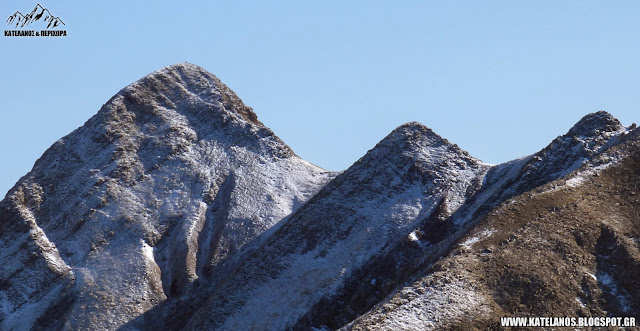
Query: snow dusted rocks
437	233
371	205
566	248
175	208
170	180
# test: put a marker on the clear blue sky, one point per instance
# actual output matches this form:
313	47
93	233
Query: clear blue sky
331	78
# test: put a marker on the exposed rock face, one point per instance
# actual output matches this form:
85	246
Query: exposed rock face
175	208
168	182
373	204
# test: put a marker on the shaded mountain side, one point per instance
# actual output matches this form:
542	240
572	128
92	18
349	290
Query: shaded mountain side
567	248
371	205
168	182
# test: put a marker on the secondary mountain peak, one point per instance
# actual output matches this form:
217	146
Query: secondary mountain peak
420	143
374	204
594	123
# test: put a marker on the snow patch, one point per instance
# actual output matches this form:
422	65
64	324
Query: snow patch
425	307
147	251
413	236
507	173
575	181
582	302
581	177
482	235
624	299
47	248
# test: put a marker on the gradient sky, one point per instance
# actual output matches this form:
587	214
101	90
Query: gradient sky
499	78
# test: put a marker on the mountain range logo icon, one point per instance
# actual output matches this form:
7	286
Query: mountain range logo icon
35	15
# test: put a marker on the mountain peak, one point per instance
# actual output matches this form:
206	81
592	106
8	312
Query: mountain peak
416	137
412	131
185	68
594	123
187	101
413	125
176	170
186	84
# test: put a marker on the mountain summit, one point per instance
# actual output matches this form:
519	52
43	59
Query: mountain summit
182	83
168	182
594	124
174	207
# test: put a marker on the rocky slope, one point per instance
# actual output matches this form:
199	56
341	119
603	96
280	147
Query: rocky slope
168	182
368	278
175	208
565	248
373	204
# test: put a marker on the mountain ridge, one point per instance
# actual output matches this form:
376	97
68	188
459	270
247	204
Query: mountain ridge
434	237
503	246
174	207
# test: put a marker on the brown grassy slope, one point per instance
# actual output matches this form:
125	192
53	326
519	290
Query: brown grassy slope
546	252
549	242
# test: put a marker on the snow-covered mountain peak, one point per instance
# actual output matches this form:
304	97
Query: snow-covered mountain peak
184	103
173	177
414	135
411	131
589	137
595	123
419	145
186	82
